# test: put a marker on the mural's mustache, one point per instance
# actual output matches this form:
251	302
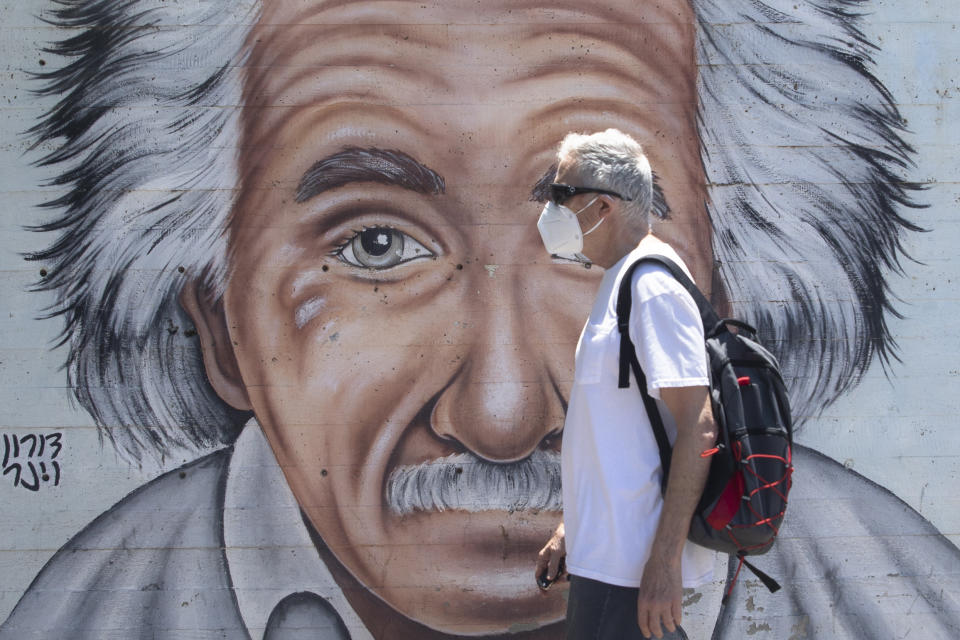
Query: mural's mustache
464	482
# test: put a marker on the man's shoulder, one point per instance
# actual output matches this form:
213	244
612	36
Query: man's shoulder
653	283
651	279
155	559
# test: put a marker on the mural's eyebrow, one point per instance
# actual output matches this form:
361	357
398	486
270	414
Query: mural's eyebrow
368	165
541	190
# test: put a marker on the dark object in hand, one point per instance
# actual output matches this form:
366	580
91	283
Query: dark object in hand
544	582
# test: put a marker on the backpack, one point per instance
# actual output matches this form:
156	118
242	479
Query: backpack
745	496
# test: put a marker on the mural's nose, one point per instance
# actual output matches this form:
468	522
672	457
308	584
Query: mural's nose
502	403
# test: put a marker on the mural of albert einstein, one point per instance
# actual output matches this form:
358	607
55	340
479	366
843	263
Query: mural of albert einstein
301	231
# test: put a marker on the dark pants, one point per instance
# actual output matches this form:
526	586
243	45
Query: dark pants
600	611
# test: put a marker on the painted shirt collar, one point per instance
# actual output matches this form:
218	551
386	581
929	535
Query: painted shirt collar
269	551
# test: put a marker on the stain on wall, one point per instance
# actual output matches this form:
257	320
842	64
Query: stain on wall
319	359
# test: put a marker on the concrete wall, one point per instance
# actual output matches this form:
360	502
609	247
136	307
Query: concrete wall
855	560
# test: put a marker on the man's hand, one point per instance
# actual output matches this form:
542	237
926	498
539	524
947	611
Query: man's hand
550	556
659	601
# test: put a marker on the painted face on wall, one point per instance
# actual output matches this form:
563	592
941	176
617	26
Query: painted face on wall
390	303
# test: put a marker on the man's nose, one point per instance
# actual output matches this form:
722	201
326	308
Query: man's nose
503	401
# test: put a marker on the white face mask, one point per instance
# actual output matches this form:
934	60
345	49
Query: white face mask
560	230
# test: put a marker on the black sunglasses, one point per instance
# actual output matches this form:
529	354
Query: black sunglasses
560	193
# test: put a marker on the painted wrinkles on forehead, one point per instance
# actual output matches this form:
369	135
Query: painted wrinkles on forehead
374	60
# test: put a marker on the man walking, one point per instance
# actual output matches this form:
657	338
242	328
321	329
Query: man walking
625	544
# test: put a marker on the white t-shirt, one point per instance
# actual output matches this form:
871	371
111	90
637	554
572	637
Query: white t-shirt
611	464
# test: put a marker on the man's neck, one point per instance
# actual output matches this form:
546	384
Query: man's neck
620	242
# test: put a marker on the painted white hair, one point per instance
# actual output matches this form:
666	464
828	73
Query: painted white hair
804	158
613	160
801	144
149	127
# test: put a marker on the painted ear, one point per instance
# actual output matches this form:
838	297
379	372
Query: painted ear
219	360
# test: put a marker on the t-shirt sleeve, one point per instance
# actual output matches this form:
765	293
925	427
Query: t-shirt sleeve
667	332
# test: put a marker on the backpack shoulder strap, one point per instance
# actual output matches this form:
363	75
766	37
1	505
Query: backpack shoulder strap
628	352
624	303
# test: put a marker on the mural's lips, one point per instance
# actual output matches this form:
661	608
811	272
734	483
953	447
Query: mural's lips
464	482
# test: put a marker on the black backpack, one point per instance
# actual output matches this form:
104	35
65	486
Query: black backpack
745	495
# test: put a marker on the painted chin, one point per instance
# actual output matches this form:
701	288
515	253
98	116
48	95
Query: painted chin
478	580
460	573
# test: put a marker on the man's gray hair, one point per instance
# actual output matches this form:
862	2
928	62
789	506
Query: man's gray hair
802	146
613	160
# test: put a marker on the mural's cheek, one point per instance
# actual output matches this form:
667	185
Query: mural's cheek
348	359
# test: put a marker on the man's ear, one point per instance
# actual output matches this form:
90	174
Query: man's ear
606	205
219	360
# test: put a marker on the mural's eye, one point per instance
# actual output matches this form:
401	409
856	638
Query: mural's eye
381	248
